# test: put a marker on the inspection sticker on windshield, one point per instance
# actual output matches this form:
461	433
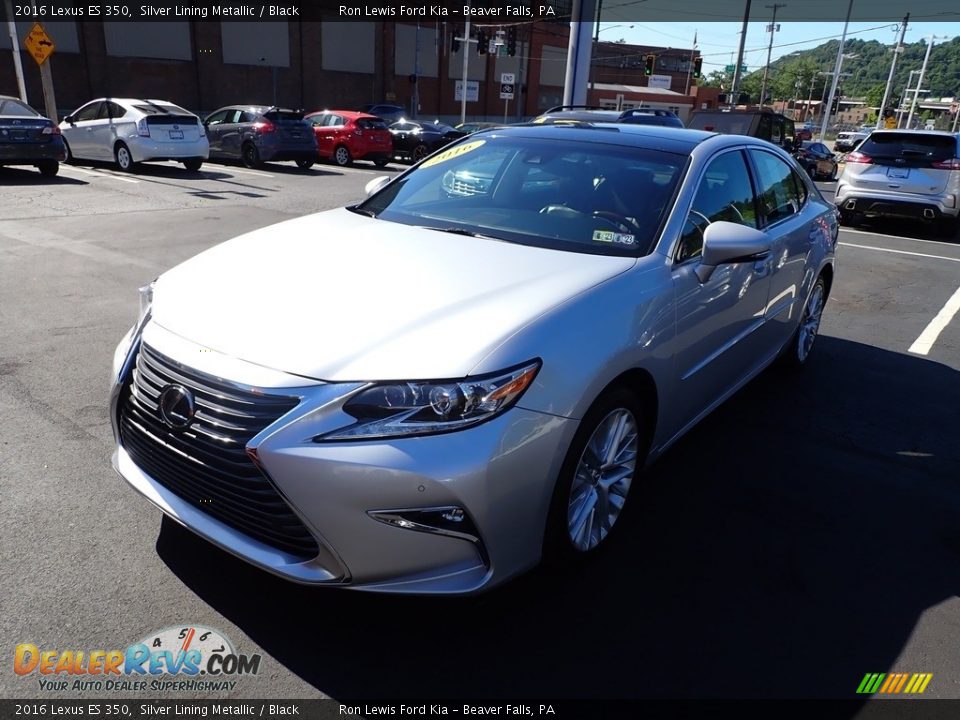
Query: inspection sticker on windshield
452	153
613	237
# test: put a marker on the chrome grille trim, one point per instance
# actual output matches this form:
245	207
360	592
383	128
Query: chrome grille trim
206	464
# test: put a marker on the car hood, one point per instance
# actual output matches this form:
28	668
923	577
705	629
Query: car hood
341	297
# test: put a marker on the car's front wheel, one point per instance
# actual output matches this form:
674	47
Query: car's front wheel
304	164
604	459
124	159
381	162
801	345
420	152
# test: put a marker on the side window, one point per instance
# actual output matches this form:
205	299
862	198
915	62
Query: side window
88	112
725	193
764	128
245	117
217	118
778	193
104	112
776	135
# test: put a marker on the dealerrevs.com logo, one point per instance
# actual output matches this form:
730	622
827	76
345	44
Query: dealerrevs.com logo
180	658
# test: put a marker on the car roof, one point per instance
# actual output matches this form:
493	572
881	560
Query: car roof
655	137
940	133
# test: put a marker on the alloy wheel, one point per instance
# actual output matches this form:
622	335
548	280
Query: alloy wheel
810	324
602	479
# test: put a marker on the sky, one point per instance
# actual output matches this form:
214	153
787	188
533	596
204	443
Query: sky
717	40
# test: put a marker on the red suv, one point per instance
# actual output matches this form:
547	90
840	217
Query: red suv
346	135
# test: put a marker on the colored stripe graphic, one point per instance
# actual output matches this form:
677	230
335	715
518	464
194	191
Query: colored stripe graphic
870	683
894	683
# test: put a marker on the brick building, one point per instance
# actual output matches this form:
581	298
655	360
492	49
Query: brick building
203	65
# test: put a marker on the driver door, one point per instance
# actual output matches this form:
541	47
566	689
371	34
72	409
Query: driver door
718	323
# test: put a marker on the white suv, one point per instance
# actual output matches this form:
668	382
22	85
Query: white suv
903	173
129	131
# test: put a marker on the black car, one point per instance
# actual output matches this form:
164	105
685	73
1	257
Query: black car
592	114
28	138
385	111
764	124
257	134
413	140
818	160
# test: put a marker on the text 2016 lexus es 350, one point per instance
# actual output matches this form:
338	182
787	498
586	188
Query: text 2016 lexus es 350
431	390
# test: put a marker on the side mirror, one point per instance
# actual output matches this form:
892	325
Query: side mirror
375	185
727	242
68	119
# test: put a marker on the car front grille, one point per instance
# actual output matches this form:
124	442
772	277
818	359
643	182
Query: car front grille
206	464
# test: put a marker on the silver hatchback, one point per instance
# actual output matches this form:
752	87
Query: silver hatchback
429	391
912	174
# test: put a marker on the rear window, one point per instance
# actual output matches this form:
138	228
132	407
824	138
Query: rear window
15	108
371	124
149	107
729	123
284	116
909	146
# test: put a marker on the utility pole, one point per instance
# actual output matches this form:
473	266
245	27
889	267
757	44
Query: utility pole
735	88
693	49
771	28
923	70
903	99
465	48
806	110
15	49
836	75
898	48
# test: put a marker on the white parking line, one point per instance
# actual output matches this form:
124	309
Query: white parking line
101	174
892	237
900	252
256	173
928	337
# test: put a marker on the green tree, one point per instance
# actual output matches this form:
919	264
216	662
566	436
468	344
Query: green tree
875	95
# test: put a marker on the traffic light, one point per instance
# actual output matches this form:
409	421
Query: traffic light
454	42
648	67
511	41
697	67
481	42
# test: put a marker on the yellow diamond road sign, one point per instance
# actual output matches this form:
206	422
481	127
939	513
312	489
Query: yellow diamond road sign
39	44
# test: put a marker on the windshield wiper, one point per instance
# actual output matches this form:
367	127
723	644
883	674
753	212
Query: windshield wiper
361	211
458	231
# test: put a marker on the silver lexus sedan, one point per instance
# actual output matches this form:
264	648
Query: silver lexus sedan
430	391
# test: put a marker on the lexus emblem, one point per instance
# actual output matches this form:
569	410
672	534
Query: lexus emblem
176	407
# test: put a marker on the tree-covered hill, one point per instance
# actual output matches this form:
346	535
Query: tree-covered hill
791	75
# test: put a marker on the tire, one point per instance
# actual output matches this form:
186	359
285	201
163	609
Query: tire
798	350
49	168
70	159
382	162
304	164
420	152
572	534
341	156
849	218
251	156
123	158
193	164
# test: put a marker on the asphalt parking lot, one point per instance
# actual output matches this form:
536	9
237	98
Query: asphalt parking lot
803	535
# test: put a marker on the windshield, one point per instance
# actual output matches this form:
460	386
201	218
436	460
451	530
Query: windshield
577	196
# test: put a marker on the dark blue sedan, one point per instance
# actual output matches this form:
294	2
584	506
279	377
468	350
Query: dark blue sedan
28	138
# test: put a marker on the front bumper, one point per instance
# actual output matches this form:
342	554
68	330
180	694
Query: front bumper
500	473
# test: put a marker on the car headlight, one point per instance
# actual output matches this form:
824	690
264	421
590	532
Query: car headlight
123	349
423	408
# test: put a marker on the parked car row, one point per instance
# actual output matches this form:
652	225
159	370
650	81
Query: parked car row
129	131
